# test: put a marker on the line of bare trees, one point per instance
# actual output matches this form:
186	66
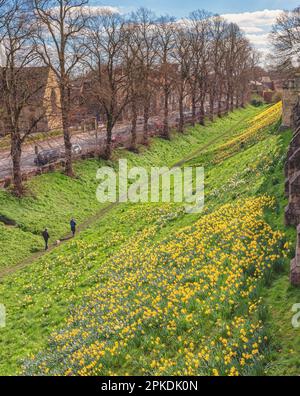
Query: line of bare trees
198	60
285	37
202	61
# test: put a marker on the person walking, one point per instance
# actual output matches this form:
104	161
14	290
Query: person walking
46	237
73	227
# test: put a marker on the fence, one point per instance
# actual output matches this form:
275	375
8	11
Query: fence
120	140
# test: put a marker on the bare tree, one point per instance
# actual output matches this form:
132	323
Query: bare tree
182	55
233	34
135	74
243	71
19	84
218	29
285	38
200	46
106	47
165	46
59	25
147	55
243	64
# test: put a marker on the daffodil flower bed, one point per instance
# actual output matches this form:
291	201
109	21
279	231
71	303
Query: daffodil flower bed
150	290
258	129
266	114
188	305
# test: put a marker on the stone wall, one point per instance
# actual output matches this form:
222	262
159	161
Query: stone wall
291	90
295	263
43	105
292	182
51	104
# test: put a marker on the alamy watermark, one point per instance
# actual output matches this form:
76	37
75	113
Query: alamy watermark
2	316
182	185
296	317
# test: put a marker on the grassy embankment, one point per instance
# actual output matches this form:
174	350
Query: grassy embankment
53	198
155	290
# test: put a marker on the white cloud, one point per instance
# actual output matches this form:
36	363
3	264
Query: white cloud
258	39
257	25
254	19
92	9
252	29
100	9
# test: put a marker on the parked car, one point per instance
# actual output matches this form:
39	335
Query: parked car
76	149
47	157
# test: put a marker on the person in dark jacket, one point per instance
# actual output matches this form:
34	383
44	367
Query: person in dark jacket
73	226
46	237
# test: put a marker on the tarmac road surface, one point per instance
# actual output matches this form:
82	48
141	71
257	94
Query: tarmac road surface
87	140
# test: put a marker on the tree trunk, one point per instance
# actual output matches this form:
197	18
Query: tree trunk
211	104
146	126
108	148
166	133
202	111
212	98
193	108
243	98
231	100
220	104
133	145
237	101
181	115
16	153
227	100
66	132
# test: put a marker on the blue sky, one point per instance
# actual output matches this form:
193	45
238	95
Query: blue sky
183	7
255	17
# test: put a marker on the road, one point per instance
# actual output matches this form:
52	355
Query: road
87	140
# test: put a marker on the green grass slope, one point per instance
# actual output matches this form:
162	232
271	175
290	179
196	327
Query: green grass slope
38	298
53	198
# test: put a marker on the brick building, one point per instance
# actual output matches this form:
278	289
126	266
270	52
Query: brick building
44	101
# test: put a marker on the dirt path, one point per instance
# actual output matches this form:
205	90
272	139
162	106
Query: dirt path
83	226
101	213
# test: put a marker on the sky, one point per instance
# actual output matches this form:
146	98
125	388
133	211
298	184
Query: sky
255	17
